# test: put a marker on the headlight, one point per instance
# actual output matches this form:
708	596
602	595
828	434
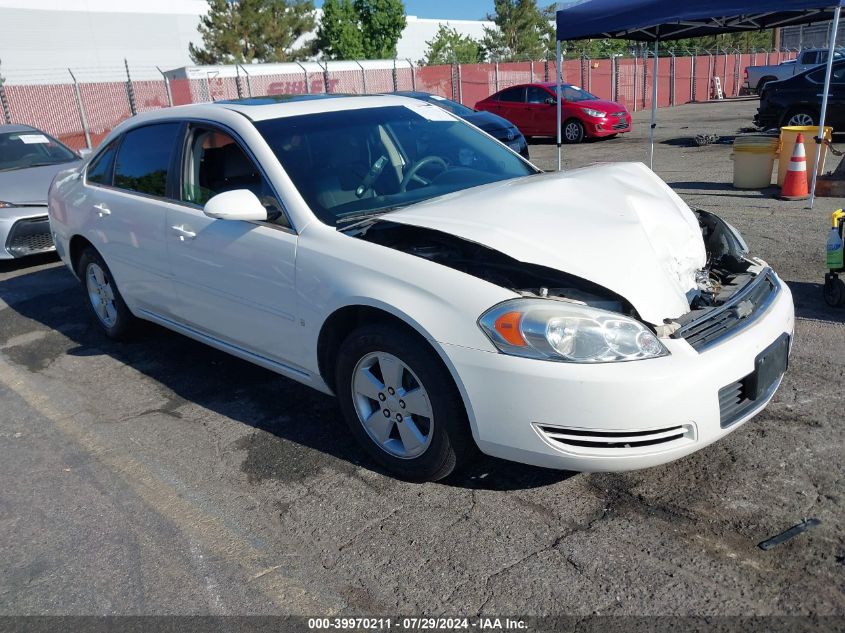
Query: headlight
595	113
569	332
5	205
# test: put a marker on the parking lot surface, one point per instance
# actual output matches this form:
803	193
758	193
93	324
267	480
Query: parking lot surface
162	476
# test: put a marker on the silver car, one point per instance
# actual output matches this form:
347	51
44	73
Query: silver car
29	159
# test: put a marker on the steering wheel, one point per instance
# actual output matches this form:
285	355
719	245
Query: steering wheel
412	172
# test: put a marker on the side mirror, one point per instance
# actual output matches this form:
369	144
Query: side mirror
84	152
239	204
550	101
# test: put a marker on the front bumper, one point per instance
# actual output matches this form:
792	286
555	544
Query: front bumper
608	126
615	416
24	231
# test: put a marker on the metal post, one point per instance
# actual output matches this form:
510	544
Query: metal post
546	67
395	77
166	87
584	72
460	85
413	75
558	104
326	77
238	81
653	107
636	79
737	64
710	74
834	28
692	78
248	80
531	69
363	75
305	74
725	75
645	76
614	79
497	75
82	118
672	77
130	91
4	103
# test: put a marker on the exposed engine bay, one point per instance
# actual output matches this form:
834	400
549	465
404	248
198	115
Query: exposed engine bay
727	269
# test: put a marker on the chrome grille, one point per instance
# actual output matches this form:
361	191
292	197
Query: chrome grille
28	237
575	440
743	308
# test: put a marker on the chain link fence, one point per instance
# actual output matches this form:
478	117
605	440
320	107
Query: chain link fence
80	106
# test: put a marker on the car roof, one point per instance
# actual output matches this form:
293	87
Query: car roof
6	128
279	106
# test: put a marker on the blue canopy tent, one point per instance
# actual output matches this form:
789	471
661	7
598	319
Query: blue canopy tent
662	20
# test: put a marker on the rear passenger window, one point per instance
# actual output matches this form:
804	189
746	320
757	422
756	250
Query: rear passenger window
100	169
512	94
144	158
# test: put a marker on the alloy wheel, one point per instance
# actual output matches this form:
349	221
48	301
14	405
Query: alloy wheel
392	405
101	294
572	131
801	119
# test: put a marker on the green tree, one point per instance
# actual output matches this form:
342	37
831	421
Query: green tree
360	29
243	31
339	34
522	31
382	23
449	46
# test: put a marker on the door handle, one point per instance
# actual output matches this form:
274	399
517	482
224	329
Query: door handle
102	210
183	233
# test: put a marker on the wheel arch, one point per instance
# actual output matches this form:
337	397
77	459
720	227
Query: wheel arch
76	247
764	80
344	320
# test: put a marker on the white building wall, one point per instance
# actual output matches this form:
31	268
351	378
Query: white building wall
40	39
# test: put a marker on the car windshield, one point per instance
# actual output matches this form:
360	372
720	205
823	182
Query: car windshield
31	148
353	163
574	93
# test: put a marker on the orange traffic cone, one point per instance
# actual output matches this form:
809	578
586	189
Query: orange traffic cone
795	184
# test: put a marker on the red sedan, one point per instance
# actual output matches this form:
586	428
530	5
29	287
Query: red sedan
531	108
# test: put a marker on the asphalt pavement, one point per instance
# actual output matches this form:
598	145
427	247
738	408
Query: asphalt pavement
164	477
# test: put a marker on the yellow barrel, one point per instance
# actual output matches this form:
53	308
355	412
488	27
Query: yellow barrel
787	144
754	158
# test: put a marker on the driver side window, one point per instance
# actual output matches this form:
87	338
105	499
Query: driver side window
215	163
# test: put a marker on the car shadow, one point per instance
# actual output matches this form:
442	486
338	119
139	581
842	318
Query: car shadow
712	188
12	265
810	304
303	430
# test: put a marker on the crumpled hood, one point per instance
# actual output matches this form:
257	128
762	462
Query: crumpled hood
30	185
617	225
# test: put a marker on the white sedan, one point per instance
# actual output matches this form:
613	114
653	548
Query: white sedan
448	293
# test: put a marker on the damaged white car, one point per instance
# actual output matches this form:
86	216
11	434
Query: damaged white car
449	294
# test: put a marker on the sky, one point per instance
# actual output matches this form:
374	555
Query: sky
446	9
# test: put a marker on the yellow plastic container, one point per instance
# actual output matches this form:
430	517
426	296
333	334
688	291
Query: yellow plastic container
754	158
787	144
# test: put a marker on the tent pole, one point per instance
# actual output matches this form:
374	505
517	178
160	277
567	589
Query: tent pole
833	29
558	105
653	107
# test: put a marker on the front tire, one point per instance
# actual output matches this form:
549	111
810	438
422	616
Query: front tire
401	404
103	298
573	131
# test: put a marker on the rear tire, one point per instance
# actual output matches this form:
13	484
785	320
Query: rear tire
573	131
103	298
379	367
